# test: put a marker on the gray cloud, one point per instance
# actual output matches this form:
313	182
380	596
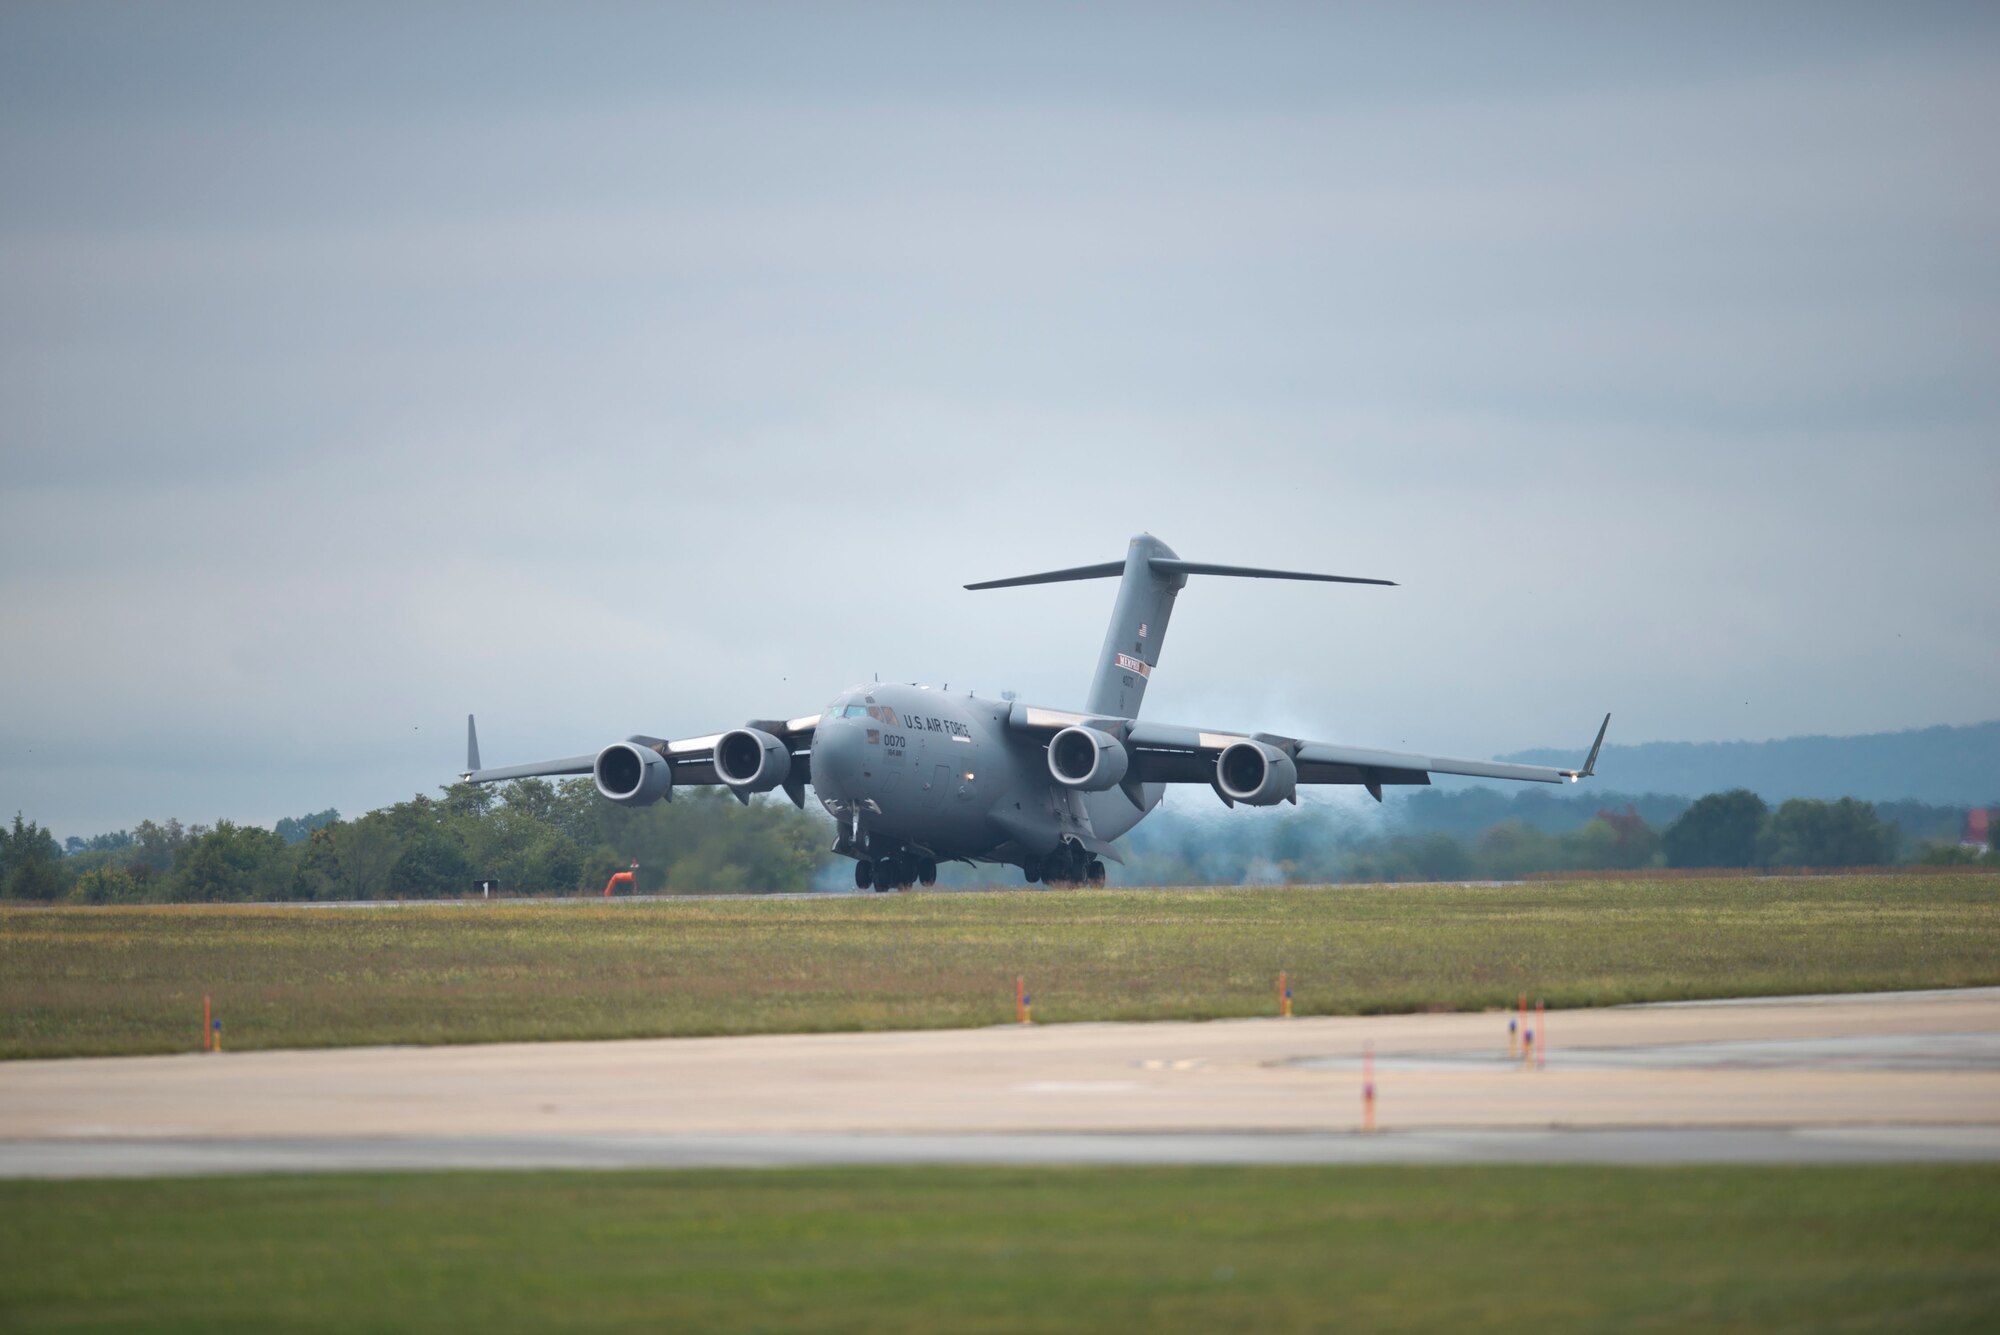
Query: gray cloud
647	371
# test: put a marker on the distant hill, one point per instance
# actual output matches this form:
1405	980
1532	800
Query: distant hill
1957	766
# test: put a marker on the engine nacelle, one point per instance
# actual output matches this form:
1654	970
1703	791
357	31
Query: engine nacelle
632	775
1088	759
752	761
1256	774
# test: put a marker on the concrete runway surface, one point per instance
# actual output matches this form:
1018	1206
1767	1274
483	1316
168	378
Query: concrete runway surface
1896	1076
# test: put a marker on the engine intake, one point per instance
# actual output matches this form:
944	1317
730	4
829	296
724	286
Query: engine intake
751	760
1087	759
632	775
1256	774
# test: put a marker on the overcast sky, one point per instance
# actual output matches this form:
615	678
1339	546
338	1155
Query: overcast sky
607	370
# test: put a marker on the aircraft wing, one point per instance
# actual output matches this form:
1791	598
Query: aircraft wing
692	758
1168	753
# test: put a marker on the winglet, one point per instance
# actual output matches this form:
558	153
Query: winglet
471	748
1590	764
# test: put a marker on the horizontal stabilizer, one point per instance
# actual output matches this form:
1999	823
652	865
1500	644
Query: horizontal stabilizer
1163	565
1170	565
1103	571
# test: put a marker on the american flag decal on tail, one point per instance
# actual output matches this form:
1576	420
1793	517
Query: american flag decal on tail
1128	663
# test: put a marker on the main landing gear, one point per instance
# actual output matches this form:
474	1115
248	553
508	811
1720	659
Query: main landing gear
891	872
1069	864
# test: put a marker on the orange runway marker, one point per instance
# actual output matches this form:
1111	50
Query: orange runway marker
1542	1028
1284	995
204	1024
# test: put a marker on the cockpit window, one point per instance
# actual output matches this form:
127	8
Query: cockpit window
879	712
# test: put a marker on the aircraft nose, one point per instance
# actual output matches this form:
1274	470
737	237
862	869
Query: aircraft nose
837	756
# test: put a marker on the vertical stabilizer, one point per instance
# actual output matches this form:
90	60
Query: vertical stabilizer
1148	579
1138	624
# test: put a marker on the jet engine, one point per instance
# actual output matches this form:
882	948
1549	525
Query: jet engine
752	761
1256	774
632	775
1088	759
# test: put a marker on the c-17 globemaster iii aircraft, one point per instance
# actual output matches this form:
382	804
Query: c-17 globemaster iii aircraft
915	776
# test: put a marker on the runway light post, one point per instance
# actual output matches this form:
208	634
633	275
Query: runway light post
1284	996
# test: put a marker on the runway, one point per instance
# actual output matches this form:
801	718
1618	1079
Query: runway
1887	1077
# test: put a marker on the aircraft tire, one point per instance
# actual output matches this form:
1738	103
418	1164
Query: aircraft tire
864	874
1095	872
927	872
1032	869
888	874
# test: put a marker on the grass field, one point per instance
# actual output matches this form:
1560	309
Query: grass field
1519	1248
76	981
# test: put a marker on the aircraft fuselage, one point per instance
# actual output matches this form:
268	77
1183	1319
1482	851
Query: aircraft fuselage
909	767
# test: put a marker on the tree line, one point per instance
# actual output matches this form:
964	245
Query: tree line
1437	838
533	837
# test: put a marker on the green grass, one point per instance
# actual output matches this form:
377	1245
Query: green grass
75	981
1516	1248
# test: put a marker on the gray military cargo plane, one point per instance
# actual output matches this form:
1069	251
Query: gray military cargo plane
914	776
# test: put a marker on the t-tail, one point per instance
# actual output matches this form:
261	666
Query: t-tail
1149	578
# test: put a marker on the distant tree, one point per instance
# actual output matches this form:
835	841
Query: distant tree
431	868
30	862
107	884
295	829
1809	833
1719	830
1513	849
1438	857
366	850
1633	842
158	845
233	863
317	872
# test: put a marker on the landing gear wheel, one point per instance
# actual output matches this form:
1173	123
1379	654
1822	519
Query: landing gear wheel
1032	869
888	874
927	872
1066	865
864	874
1095	872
